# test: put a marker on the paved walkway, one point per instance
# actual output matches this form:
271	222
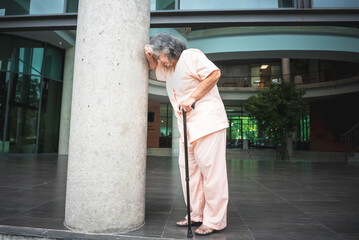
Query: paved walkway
269	200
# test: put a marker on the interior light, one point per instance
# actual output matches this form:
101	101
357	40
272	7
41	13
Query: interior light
264	67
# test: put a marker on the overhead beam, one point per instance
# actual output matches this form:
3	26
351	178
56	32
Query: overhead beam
222	18
275	17
38	22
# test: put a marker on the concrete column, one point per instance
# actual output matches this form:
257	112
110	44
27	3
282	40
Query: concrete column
290	147
245	144
287	78
66	101
286	69
108	131
175	136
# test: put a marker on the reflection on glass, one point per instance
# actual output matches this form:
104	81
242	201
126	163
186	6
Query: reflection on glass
46	6
72	6
21	68
5	50
50	116
12	7
162	5
165	125
228	4
286	3
53	63
25	7
23	110
28	57
4	81
240	127
335	4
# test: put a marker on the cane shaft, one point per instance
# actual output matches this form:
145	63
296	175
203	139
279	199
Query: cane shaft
189	234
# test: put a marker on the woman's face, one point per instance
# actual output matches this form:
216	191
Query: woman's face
163	59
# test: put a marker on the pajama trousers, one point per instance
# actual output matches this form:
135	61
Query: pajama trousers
208	179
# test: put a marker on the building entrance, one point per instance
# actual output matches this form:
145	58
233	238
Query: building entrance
30	95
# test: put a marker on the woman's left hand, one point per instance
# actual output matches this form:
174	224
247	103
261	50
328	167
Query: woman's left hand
186	105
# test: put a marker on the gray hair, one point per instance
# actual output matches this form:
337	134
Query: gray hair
167	44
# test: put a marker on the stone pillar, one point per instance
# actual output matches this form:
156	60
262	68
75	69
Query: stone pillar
245	144
66	101
286	69
290	147
175	136
108	131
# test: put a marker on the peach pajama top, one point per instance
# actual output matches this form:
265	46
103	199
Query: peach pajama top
209	114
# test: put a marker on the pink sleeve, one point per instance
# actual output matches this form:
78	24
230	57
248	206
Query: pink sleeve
199	65
161	74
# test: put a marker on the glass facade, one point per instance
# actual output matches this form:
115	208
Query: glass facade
37	7
224	4
158	5
72	6
166	125
40	7
301	137
30	95
335	3
227	4
241	128
255	73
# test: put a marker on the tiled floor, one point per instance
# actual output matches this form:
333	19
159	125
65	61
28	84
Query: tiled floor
268	200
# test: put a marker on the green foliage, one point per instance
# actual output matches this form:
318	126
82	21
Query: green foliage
277	110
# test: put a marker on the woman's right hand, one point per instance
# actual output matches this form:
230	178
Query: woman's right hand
150	57
148	51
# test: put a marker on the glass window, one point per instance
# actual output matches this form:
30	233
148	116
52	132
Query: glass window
276	73
25	7
23	112
228	4
53	63
50	116
28	56
335	4
286	3
162	5
15	7
72	6
4	81
46	6
165	125
5	50
19	119
255	76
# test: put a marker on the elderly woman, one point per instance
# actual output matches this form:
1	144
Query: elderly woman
191	78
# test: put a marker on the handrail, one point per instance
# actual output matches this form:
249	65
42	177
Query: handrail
351	139
356	125
305	77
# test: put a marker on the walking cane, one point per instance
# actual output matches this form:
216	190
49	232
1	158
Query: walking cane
189	232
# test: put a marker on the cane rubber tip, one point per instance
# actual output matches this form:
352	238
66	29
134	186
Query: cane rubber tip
189	234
